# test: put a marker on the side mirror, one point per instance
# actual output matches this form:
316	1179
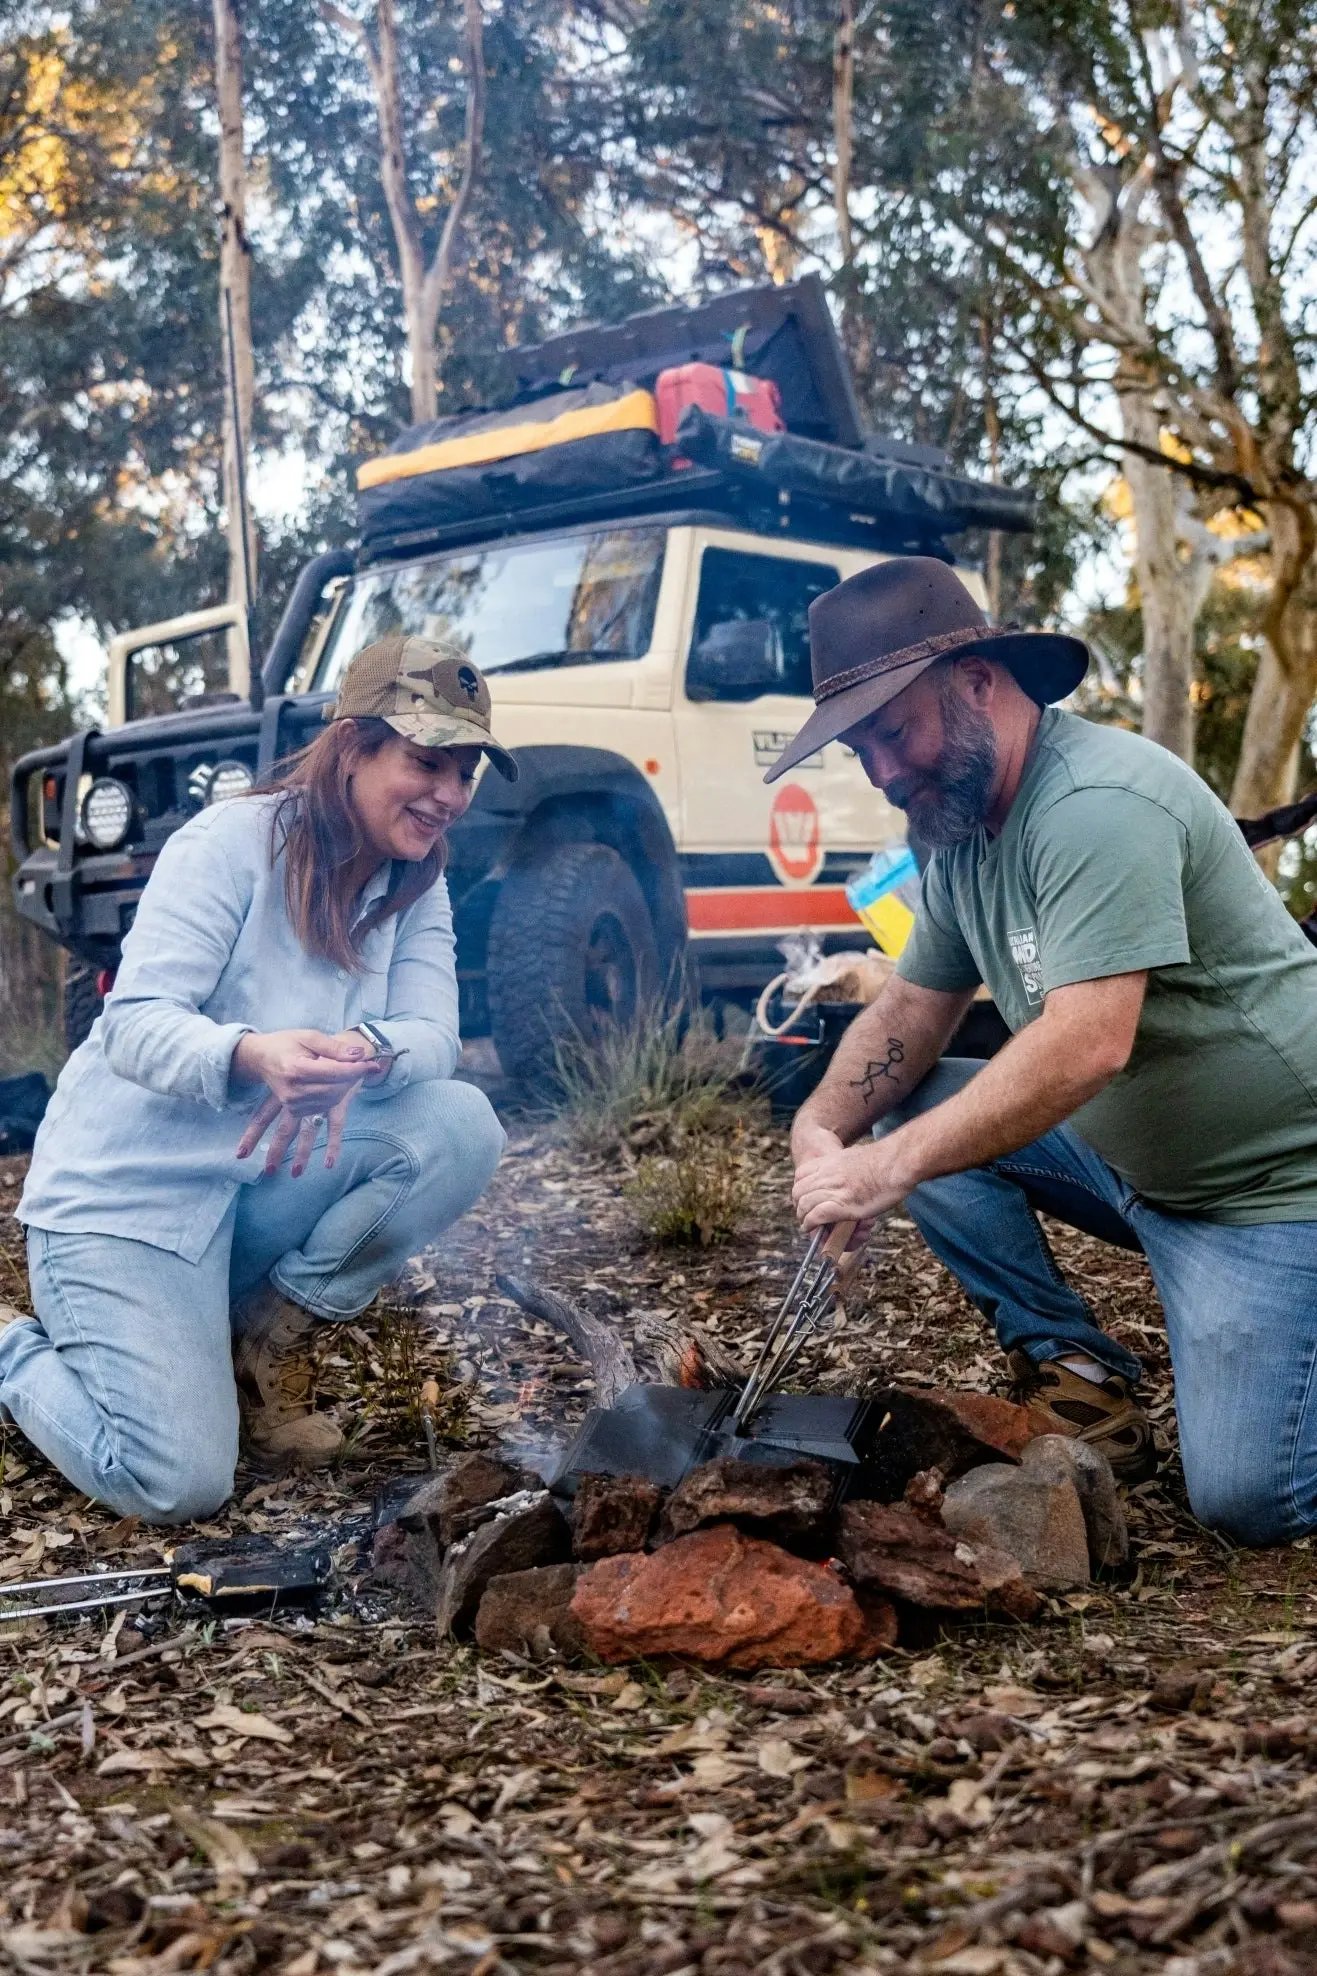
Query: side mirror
738	660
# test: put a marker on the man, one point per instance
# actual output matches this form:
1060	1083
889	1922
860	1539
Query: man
1160	1086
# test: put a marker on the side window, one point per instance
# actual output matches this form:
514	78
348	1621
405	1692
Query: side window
766	591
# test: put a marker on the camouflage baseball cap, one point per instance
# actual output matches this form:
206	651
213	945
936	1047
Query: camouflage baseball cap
428	690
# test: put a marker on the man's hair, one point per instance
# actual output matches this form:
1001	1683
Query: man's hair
316	828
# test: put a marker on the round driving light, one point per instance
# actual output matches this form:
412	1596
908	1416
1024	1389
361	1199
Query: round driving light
107	813
229	779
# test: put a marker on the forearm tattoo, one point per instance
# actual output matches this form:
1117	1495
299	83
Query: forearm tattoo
877	1068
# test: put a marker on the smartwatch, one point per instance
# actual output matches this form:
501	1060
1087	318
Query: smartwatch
375	1037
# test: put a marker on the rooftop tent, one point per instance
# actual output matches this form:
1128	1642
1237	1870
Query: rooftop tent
558	444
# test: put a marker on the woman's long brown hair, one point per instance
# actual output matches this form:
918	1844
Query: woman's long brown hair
317	830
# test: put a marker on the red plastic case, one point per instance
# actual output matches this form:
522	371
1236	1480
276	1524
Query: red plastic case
726	393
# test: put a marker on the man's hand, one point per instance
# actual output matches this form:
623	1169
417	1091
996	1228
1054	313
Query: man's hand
848	1183
303	1068
811	1141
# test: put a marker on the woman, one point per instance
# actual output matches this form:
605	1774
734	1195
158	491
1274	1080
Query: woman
288	980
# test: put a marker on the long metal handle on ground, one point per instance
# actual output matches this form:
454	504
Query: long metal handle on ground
88	1578
87	1605
107	1598
802	1307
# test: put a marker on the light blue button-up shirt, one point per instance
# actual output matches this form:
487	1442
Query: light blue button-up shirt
140	1134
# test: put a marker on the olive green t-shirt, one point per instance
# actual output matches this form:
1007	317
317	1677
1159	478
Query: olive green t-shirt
1116	857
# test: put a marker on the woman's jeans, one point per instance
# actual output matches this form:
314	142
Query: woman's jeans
126	1383
1240	1305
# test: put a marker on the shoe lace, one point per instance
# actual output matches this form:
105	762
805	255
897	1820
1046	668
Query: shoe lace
1024	1383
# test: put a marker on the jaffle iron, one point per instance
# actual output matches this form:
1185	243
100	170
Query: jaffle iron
805	1302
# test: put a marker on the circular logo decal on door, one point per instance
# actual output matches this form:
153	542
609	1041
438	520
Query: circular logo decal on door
795	836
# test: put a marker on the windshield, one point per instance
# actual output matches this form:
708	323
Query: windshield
520	604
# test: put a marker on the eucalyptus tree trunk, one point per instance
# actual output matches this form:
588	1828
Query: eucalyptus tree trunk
1286	682
423	285
1170	590
235	313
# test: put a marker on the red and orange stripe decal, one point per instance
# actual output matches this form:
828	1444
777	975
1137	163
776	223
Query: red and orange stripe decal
768	909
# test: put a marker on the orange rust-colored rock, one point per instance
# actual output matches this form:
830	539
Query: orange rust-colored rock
728	1600
999	1424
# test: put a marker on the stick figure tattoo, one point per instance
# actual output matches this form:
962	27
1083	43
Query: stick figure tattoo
876	1069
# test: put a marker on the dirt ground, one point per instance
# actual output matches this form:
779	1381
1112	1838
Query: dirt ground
1127	1785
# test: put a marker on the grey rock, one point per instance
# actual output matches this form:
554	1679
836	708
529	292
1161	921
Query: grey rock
1056	1455
524	1531
1032	1515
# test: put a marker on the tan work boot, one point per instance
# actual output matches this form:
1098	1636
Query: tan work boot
276	1381
1106	1416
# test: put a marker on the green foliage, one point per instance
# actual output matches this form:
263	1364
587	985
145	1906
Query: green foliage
698	1195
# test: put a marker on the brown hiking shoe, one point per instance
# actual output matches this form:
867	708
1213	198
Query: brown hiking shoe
1106	1416
276	1381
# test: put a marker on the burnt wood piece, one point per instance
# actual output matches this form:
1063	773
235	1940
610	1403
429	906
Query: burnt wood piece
600	1345
683	1355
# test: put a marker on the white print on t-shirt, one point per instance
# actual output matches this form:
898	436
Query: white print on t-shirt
1024	952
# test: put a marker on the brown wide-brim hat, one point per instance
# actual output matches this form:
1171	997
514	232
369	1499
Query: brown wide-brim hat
870	636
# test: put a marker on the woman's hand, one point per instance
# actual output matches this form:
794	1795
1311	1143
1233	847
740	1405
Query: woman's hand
378	1063
853	1183
290	1125
310	1076
303	1068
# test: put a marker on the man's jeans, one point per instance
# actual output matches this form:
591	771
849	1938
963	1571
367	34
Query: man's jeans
126	1382
1240	1305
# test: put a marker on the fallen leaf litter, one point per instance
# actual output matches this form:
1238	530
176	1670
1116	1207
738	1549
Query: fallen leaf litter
1127	1783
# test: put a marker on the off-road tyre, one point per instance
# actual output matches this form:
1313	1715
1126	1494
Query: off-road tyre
571	954
82	1003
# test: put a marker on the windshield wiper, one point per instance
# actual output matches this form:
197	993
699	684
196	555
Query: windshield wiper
540	661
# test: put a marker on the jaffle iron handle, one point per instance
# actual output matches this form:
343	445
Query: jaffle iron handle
840	1240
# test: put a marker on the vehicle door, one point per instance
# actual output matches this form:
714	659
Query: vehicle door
760	860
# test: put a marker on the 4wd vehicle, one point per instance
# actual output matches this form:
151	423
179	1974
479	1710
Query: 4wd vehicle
639	602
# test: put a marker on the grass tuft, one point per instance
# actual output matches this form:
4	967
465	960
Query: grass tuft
700	1194
396	1374
664	1078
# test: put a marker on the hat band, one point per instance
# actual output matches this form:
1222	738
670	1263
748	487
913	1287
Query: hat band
908	655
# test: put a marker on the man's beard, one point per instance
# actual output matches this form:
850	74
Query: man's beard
952	800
